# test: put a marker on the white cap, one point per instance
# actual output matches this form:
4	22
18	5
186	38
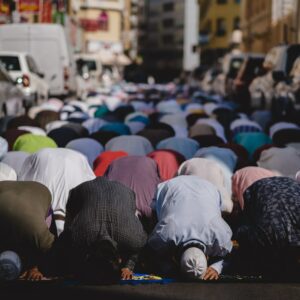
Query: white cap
10	265
193	263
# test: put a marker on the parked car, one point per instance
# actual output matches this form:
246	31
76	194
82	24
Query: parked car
24	70
251	68
48	44
278	63
11	96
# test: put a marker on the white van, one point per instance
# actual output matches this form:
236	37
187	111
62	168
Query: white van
47	44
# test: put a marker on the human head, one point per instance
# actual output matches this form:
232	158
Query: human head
10	265
193	263
102	264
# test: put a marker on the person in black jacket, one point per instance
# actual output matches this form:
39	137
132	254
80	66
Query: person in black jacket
102	236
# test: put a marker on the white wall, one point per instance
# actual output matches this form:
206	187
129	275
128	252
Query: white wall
191	59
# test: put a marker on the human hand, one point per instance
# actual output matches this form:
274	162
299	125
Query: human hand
235	244
126	274
211	274
32	274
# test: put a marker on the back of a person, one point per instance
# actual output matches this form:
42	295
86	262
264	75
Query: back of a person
23	209
185	206
107	212
273	205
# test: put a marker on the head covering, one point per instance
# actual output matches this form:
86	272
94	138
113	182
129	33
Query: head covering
88	147
65	170
62	136
155	135
32	143
3	147
11	135
168	162
193	263
221	155
10	265
15	159
45	117
139	174
185	146
212	172
252	141
132	144
103	161
119	128
286	161
244	178
7	172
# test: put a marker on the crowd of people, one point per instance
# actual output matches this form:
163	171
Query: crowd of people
156	179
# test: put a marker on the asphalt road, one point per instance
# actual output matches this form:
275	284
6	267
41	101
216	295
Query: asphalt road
172	291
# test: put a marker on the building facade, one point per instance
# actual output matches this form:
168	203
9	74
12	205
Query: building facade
218	20
102	24
130	28
268	23
168	36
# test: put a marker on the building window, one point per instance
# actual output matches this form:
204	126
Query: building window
167	23
152	27
236	23
103	21
168	38
221	1
221	27
168	6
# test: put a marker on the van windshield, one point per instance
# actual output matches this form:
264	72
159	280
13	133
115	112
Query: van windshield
10	63
89	64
